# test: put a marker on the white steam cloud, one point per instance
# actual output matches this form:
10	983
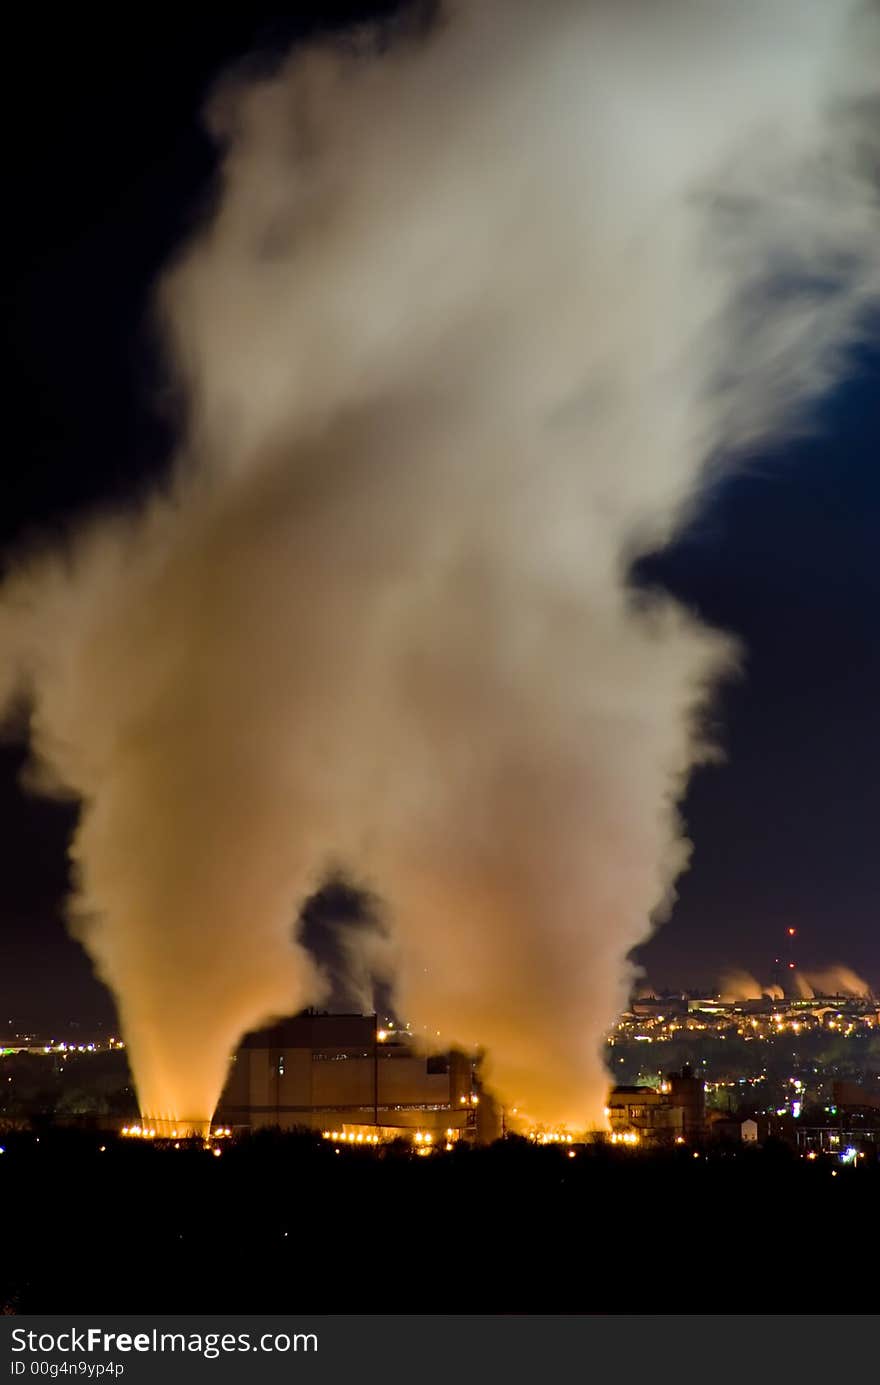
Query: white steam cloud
737	984
836	980
740	985
472	312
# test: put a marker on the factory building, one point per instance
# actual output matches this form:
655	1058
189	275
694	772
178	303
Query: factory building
849	1139
674	1112
848	1129
346	1074
659	1007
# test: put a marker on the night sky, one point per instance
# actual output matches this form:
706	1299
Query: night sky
106	168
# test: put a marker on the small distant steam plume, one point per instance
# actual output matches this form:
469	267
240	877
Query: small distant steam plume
473	310
740	985
836	980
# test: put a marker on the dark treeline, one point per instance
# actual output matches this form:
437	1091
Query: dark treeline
69	1085
283	1223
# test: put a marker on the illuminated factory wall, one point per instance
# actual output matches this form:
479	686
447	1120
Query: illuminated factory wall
674	1111
320	1070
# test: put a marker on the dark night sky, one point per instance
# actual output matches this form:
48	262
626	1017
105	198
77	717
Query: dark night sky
106	167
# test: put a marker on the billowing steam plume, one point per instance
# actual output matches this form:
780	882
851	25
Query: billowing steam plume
740	985
836	980
472	312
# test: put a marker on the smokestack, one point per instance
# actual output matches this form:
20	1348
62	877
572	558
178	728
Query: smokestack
471	313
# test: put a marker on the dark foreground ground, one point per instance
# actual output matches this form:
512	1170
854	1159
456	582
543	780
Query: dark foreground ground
285	1224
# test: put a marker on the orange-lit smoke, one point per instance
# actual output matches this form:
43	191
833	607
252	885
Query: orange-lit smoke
471	312
836	980
804	989
773	991
740	985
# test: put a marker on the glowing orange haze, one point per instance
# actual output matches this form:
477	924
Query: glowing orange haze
469	316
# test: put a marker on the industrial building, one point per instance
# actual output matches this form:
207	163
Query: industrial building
849	1138
347	1074
674	1112
848	1129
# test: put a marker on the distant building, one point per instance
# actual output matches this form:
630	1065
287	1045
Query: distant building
851	1137
852	1096
659	1006
708	1005
848	1129
345	1073
643	1112
673	1112
732	1129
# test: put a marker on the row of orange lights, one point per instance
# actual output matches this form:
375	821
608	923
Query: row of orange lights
350	1137
145	1132
422	1138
